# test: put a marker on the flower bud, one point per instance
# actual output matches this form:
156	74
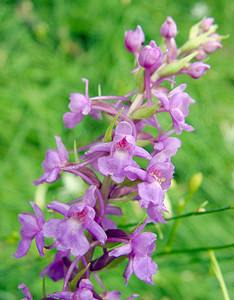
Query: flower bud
206	24
168	29
201	54
195	182
212	46
134	39
197	69
150	56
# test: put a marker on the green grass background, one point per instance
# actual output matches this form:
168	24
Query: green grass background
45	48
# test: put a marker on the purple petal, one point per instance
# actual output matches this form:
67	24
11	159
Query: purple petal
113	210
51	161
113	295
141	152
81	209
40	242
62	295
53	175
129	270
101	262
150	193
72	119
163	171
41	180
70	235
115	164
56	269
59	207
29	226
163	99
100	147
155	212
169	146
188	127
118	179
96	230
89	196
38	213
117	233
134	173
25	291
181	101
133	39
108	224
79	103
124	128
85	294
122	250
179	89
177	115
50	228
144	268
144	243
23	247
62	151
86	284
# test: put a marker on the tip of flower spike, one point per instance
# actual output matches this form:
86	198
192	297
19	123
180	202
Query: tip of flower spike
169	28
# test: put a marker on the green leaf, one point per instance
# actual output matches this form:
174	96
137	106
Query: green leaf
76	154
195	42
143	143
140	79
78	276
144	112
109	131
194	31
175	66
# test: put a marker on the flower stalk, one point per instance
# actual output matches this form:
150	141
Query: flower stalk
127	163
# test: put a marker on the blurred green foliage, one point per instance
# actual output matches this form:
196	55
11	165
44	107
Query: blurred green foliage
45	48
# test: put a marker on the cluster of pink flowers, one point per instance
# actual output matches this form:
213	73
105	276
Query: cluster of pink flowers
110	168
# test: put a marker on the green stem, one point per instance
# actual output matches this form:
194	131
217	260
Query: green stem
128	197
189	214
43	287
199	213
105	189
176	224
218	274
192	250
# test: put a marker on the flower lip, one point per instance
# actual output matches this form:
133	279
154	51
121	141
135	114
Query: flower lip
81	215
157	175
123	145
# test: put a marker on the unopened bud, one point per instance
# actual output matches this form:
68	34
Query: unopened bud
134	39
201	54
168	29
150	56
195	182
206	24
197	69
212	46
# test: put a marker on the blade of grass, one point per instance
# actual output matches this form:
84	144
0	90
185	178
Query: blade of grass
218	273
